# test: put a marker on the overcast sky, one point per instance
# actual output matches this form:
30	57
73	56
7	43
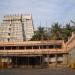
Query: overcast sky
44	12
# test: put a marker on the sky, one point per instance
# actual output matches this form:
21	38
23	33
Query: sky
44	12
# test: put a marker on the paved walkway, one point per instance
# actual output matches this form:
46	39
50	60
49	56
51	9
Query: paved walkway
37	72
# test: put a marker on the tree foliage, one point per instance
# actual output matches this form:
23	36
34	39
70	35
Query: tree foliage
40	34
57	32
67	32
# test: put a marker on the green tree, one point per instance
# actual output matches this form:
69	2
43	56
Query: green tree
67	32
40	34
73	26
56	32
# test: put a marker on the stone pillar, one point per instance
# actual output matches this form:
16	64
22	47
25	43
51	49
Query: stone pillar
48	60
65	60
56	60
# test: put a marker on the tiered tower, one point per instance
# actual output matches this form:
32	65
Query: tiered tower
16	28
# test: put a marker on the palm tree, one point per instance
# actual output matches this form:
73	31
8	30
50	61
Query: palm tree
67	32
56	32
73	27
40	34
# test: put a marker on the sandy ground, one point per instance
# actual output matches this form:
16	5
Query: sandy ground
37	71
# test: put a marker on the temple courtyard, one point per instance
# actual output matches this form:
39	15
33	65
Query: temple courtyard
45	71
